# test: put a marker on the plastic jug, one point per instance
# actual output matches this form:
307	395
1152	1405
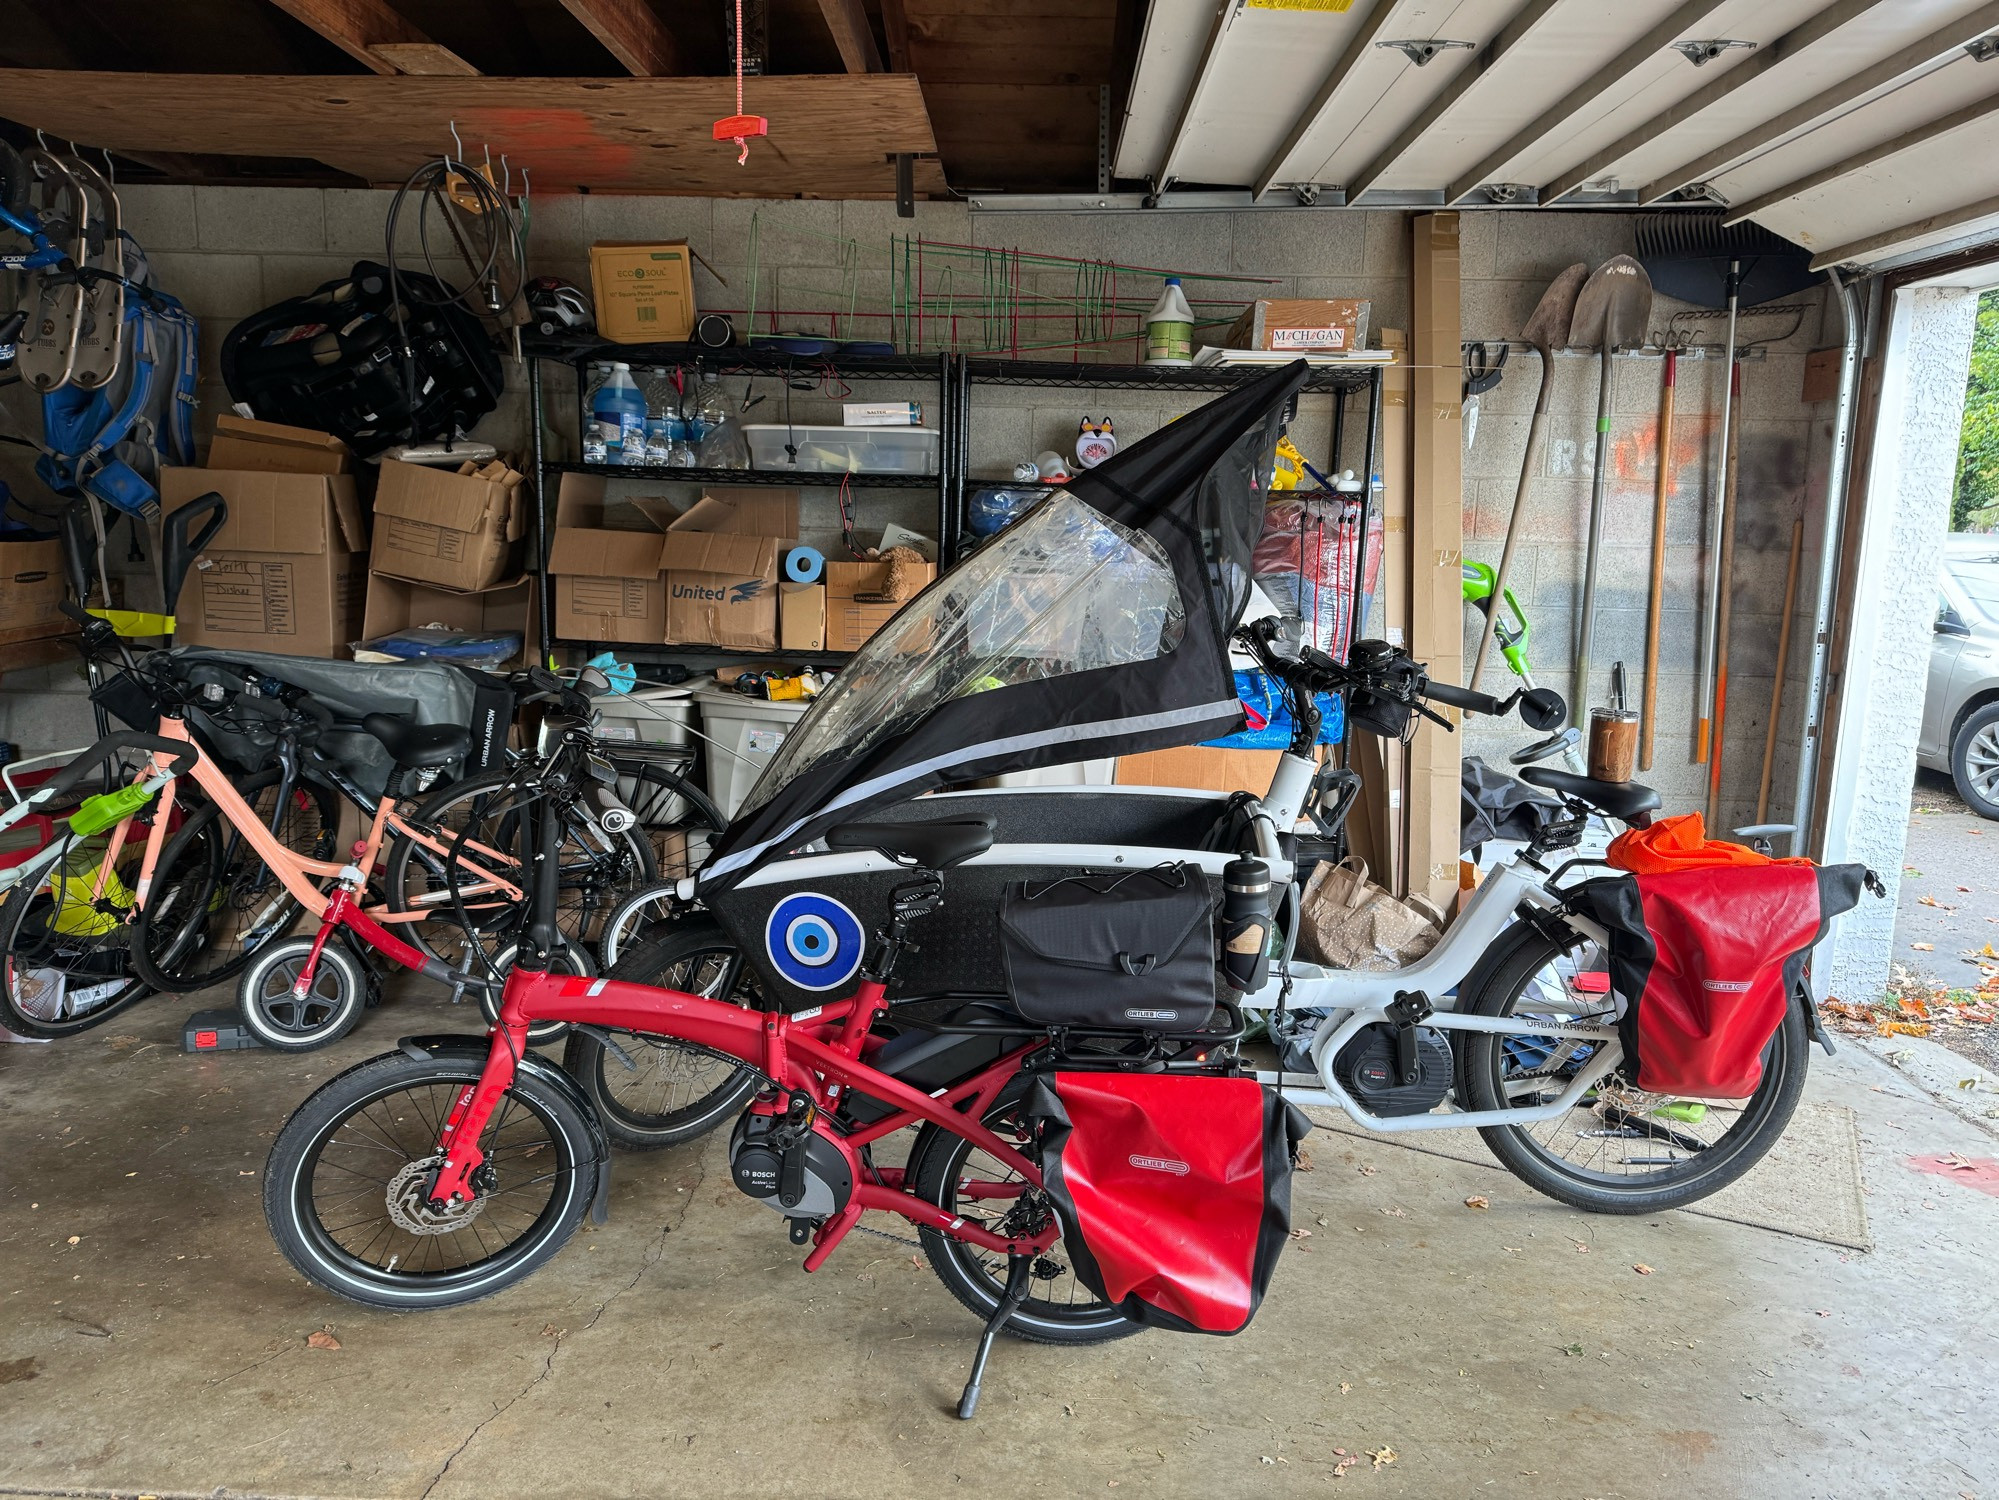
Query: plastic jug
618	412
1169	328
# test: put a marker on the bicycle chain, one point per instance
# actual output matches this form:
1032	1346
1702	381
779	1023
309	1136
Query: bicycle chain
883	1234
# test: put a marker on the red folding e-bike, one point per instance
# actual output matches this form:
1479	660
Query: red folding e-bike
455	1166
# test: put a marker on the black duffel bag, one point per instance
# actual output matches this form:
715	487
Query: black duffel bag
1133	951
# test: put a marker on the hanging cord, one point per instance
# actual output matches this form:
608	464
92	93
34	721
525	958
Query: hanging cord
743	145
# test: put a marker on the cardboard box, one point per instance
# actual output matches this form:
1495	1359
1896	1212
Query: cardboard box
801	617
271	447
851	617
1202	768
288	570
644	292
399	603
608	586
744	512
721	589
457	530
1302	325
31	588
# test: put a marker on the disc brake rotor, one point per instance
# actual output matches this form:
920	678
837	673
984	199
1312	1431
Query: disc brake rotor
409	1207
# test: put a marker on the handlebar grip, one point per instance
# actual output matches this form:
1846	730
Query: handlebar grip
71	776
313	709
1465	698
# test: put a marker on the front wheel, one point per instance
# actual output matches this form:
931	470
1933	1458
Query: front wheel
285	1020
344	1191
1619	1150
1974	761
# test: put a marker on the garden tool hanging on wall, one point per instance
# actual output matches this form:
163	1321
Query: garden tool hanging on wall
1612	313
1507	624
1547	330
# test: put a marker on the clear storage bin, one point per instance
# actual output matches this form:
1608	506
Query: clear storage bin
843	450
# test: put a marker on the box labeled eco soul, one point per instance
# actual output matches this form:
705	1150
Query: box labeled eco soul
644	292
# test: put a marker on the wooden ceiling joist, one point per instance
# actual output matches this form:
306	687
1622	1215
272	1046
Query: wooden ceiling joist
632	33
830	136
376	35
848	21
1753	66
1940	46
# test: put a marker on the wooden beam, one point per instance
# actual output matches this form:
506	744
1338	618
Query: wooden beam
1744	73
1373	26
1971	114
1510	36
830	136
1614	77
358	27
895	26
424	60
632	33
848	21
1915	59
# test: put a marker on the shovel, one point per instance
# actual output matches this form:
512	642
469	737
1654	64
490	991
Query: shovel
1547	330
1612	312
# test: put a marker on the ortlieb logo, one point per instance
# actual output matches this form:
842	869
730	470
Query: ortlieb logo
1159	1164
1135	1014
1726	986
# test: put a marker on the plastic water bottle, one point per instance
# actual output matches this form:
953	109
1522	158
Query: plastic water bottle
619	413
1169	328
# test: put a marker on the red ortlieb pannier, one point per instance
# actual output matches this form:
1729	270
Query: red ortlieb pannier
1707	961
1174	1190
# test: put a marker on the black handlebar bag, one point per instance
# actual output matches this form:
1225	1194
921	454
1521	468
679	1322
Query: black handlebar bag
1174	1190
1708	961
1132	951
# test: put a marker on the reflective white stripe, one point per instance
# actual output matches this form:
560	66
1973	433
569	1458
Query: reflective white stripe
806	1015
861	791
597	988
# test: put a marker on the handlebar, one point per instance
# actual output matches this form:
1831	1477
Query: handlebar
1464	698
70	777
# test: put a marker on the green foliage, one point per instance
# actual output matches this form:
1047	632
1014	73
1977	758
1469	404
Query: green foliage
1975	505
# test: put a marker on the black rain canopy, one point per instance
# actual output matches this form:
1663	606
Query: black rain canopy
1095	625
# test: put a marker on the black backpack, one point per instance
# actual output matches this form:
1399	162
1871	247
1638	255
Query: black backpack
336	360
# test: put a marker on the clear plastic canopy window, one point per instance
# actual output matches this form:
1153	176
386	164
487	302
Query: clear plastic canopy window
1065	589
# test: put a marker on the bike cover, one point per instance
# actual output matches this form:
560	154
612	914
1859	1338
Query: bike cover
1174	1191
1707	961
1095	625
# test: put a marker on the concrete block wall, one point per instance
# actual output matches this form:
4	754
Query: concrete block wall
230	251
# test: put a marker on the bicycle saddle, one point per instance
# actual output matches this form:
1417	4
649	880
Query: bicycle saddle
927	846
418	745
1626	801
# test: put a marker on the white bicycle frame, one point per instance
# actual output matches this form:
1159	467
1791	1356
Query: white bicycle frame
1355	999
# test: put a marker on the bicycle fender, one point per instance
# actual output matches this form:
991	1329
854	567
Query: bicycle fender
458	1044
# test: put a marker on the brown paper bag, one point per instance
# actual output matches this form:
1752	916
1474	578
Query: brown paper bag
1349	922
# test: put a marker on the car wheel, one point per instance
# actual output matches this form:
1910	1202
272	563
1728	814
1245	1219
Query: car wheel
1974	761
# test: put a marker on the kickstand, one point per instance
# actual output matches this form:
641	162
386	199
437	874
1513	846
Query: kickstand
1019	1277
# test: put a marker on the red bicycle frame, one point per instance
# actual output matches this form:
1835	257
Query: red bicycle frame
818	1052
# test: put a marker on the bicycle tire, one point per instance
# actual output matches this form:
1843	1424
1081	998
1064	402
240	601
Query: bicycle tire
936	1169
210	870
673	811
297	1223
617	864
1515	960
607	1083
36	958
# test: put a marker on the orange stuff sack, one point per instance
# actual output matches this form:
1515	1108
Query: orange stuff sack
1671	845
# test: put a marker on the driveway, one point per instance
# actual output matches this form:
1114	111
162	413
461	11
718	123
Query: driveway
1947	926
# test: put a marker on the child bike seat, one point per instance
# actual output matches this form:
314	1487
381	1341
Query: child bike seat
1626	801
926	846
415	746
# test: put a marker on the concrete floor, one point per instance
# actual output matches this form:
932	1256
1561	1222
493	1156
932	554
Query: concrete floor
154	1342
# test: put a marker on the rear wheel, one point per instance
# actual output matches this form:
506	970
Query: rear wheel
1974	761
662	1092
344	1191
65	944
1619	1150
966	1180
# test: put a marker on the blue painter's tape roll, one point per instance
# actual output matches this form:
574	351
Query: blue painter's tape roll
804	565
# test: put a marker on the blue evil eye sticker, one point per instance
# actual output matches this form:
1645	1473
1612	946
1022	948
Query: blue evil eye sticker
813	941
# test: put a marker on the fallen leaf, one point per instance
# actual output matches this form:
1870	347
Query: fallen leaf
1301	1234
1383	1456
1365	1171
319	1338
1642	1269
1304	1163
1574	1351
1956	1162
1924	947
76	1239
1928	901
1582	1249
1478	1200
1345	1387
